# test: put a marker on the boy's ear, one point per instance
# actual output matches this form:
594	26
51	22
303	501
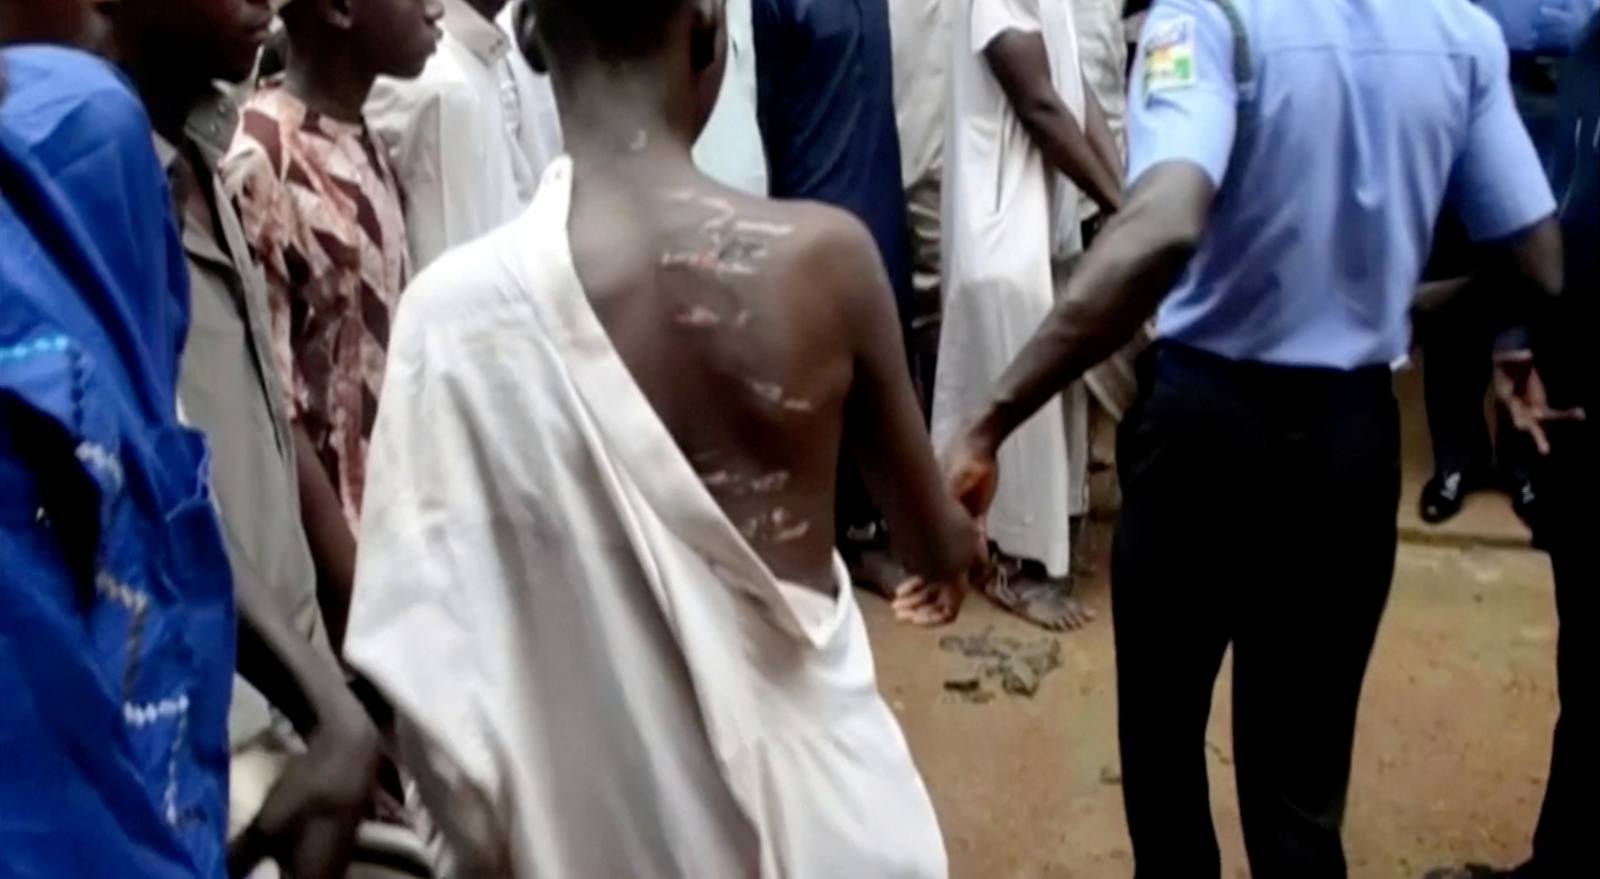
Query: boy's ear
339	13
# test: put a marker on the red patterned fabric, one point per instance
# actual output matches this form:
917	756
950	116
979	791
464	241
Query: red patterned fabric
322	210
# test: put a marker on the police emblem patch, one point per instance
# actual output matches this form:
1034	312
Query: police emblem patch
1169	55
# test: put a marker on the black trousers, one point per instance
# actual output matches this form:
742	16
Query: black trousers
1259	509
1458	363
1569	527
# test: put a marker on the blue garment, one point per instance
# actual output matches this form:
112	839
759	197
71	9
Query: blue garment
116	606
1330	176
1541	26
1565	344
825	102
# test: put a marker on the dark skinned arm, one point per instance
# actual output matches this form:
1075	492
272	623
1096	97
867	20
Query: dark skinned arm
309	820
1118	285
1099	131
1537	258
931	534
333	547
1021	63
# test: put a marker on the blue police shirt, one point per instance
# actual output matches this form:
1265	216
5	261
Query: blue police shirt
116	599
1332	156
1542	26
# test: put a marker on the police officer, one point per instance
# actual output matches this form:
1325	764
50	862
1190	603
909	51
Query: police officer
1287	165
1569	480
1457	337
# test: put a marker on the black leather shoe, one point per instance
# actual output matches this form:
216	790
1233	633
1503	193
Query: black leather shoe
1444	494
1524	500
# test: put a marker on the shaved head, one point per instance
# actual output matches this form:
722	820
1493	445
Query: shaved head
611	30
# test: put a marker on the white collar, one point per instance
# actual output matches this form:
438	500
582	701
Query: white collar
479	35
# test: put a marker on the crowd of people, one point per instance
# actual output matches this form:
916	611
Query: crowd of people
439	438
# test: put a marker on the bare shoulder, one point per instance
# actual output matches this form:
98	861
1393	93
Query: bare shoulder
830	249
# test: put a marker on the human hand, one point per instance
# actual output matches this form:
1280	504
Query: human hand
972	473
928	603
931	603
308	823
1519	387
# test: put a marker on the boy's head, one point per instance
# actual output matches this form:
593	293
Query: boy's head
198	40
79	23
684	40
384	37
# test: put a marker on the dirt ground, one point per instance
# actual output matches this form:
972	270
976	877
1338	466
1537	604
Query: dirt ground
1450	759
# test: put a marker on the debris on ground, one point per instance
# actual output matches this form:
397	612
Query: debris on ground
1020	666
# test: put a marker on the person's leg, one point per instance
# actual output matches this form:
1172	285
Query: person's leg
1567	819
922	211
861	535
1456	362
1306	634
1515	459
1179	461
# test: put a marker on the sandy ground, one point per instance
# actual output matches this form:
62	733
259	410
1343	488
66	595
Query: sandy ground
1450	759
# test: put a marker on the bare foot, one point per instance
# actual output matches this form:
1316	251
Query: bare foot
1044	602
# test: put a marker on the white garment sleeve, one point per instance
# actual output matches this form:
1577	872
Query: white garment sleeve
415	618
415	120
991	18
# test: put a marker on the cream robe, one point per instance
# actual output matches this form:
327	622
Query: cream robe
595	675
1005	217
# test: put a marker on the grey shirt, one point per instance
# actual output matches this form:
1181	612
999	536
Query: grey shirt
229	389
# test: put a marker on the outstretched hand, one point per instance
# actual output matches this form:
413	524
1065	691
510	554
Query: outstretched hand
1519	387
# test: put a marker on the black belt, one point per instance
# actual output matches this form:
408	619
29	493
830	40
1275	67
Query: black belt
1270	381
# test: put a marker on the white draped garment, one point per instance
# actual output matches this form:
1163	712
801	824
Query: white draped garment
1005	216
594	673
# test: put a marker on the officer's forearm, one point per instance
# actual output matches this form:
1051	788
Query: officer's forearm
1114	290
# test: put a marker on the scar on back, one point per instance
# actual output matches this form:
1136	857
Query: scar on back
774	394
777	526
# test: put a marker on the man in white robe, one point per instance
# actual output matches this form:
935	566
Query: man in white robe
597	578
1016	111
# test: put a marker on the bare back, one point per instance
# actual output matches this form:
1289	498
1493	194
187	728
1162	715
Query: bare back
754	329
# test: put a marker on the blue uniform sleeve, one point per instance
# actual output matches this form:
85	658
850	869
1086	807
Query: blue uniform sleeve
1183	96
1498	184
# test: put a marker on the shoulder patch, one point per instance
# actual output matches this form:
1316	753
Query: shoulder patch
1169	55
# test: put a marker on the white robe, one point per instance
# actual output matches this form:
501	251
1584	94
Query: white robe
595	674
730	148
1005	217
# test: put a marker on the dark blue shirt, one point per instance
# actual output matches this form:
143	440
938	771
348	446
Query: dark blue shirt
825	101
1566	343
116	601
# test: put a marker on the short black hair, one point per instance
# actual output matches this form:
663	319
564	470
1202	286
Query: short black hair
613	30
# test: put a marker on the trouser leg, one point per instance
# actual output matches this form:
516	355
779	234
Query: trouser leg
1171	616
1306	634
1457	358
1563	841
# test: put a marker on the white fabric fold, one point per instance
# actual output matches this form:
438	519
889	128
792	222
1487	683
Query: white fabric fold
561	612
